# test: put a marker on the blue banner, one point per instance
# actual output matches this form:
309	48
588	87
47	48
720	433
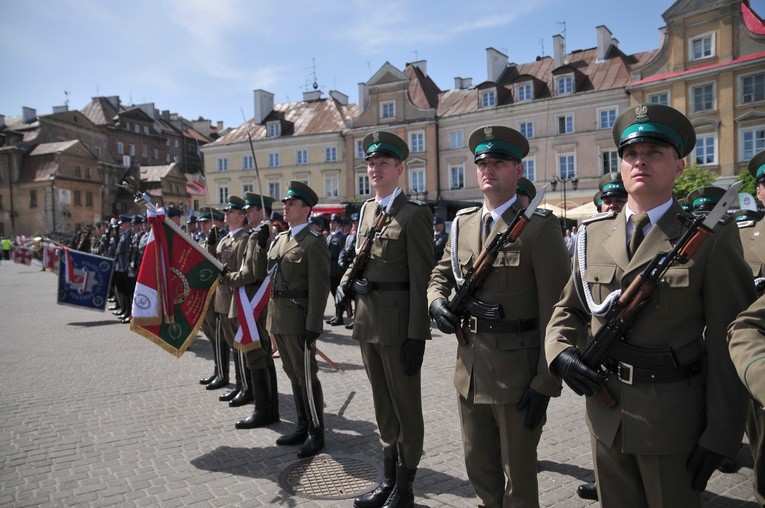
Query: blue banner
84	279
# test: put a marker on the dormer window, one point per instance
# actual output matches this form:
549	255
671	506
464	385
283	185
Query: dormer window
701	46
488	99
274	129
524	92
564	85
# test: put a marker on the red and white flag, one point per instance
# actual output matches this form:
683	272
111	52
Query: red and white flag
50	256
22	255
249	311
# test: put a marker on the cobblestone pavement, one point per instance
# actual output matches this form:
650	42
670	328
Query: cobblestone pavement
95	415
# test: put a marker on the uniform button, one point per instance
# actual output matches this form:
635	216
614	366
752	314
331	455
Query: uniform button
597	278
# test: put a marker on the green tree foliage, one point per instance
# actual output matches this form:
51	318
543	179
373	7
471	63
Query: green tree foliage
692	178
748	183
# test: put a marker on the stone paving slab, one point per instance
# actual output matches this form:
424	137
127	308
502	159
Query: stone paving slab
95	415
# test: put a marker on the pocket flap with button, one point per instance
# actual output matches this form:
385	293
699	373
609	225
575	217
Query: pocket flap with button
676	277
390	233
600	274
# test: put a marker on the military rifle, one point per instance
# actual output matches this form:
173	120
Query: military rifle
464	303
355	279
625	309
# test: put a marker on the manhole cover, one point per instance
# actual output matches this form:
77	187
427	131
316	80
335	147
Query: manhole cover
325	477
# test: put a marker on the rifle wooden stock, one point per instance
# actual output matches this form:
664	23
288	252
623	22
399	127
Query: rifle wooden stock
360	264
625	310
477	273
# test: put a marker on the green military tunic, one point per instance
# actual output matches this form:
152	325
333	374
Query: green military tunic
299	264
230	251
495	369
689	313
401	255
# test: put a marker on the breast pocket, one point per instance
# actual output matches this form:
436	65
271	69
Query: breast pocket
601	279
389	238
673	292
503	270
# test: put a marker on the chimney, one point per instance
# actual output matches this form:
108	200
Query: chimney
559	50
340	97
264	104
28	114
219	125
496	62
462	83
165	115
60	109
149	109
311	95
422	64
604	42
2	121
363	97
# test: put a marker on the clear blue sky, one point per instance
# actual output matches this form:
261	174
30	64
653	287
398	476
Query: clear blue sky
204	58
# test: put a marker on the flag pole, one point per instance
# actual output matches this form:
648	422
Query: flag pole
255	163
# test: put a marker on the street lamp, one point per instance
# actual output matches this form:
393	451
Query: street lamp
574	183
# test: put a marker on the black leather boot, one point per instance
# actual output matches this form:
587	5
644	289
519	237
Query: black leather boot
298	436
229	395
274	392
377	497
588	491
314	443
263	414
245	395
223	367
402	495
208	380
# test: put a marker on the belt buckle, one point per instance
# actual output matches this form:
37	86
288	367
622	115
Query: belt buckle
624	372
473	324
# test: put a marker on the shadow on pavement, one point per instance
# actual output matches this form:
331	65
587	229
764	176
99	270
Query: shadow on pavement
91	324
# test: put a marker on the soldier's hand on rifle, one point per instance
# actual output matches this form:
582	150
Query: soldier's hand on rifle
263	235
578	376
445	320
309	338
537	404
702	463
412	353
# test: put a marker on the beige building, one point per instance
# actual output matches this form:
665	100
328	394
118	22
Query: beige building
300	141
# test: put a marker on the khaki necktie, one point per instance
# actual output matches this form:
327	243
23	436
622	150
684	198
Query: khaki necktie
639	222
486	229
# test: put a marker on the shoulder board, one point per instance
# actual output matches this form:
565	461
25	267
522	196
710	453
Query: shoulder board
470	209
417	202
369	200
542	212
316	233
745	224
599	216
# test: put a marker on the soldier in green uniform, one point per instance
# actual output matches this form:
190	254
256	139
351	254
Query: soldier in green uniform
251	274
613	195
391	321
744	337
230	250
680	406
299	263
501	375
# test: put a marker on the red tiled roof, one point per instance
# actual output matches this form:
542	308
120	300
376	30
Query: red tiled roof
752	21
718	65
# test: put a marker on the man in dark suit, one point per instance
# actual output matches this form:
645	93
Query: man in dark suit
680	406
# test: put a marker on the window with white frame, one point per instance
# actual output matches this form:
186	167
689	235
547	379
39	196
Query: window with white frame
156	153
274	129
360	153
127	126
137	128
564	85
752	141
330	154
247	187
222	164
566	124
120	148
609	161
753	88
703	97
273	159
222	193
274	188
706	149
566	166
488	99
417	179
362	184
526	128
607	117
530	168
701	46
457	176
659	98
131	150
524	92
301	156
247	162
146	130
331	185
416	142
144	151
388	109
456	139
